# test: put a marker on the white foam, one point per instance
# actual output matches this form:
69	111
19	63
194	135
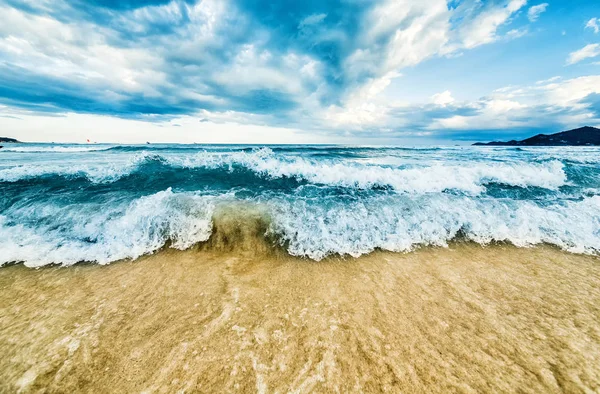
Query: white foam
103	172
469	177
116	232
356	228
418	214
314	229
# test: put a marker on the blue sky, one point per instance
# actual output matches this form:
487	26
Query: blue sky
346	71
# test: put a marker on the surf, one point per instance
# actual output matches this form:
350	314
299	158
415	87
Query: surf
65	207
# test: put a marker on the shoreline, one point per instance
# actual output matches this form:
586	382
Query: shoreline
464	318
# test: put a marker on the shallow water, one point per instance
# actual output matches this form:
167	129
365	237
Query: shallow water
457	319
69	203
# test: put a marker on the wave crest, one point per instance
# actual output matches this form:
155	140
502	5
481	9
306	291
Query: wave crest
68	235
264	163
302	227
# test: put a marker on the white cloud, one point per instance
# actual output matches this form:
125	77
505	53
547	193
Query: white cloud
420	30
312	20
77	52
534	12
587	52
593	24
515	33
543	104
547	102
398	34
361	108
454	122
547	81
568	93
187	63
254	69
443	98
483	28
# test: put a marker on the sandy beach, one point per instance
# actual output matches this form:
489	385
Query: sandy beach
270	197
460	319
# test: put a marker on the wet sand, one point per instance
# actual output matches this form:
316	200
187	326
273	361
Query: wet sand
464	319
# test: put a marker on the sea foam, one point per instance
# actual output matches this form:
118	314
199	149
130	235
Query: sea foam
307	228
66	235
356	228
124	203
426	179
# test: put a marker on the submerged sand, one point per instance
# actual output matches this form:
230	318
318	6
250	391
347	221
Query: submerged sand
463	319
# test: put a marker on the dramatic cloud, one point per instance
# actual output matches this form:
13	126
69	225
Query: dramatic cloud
148	58
321	66
534	12
587	52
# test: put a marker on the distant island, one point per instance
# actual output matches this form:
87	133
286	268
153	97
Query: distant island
582	136
6	139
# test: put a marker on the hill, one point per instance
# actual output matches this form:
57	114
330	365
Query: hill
6	139
582	136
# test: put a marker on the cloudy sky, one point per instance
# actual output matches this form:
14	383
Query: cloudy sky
314	71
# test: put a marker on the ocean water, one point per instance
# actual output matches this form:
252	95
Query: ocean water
66	203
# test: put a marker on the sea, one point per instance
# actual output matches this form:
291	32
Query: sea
100	203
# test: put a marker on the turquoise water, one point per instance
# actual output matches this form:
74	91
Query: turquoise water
63	203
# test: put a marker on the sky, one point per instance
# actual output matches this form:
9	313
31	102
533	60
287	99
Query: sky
402	72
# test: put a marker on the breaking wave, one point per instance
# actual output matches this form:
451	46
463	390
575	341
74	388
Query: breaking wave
263	163
301	227
311	202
